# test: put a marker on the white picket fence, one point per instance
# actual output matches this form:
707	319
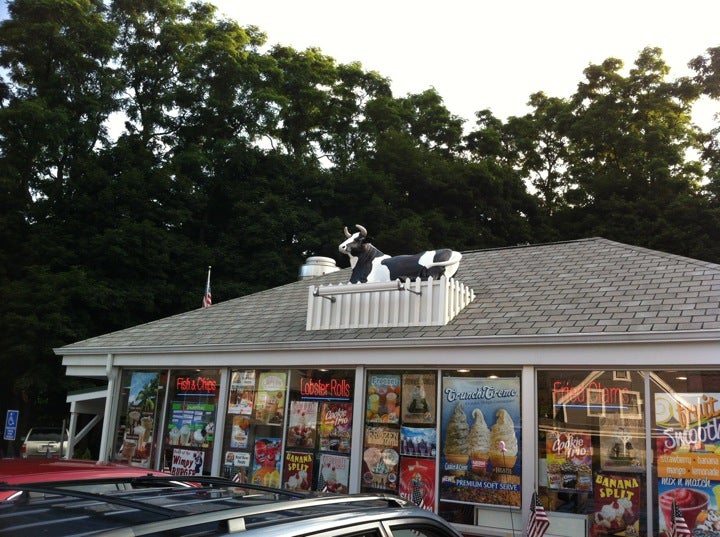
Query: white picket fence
371	305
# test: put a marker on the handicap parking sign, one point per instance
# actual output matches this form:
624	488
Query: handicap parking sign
11	423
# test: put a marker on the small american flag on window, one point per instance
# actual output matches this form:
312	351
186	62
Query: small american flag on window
679	526
538	522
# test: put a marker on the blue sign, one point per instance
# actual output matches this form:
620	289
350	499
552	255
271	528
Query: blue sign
11	423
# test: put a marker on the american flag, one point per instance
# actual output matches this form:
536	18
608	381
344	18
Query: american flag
207	297
538	522
679	526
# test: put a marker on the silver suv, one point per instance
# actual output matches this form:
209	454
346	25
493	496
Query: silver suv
44	442
210	507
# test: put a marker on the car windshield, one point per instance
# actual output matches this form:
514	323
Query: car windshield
45	434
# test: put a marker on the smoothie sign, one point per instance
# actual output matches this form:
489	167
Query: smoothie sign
688	459
480	441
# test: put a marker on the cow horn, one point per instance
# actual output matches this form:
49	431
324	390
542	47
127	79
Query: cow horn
347	233
363	231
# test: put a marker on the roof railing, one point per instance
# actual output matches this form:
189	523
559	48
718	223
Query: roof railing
330	292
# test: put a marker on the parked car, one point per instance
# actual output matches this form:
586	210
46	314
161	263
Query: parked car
85	474
213	507
44	442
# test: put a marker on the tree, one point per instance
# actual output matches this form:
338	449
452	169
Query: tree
58	91
630	144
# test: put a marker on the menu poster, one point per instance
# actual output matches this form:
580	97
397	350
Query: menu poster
270	397
417	481
191	424
480	441
298	470
240	432
617	505
136	446
266	462
302	426
335	426
237	465
187	462
688	460
622	445
418	442
242	392
380	458
383	398
569	460
419	391
333	473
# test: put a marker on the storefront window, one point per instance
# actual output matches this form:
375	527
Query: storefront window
254	426
400	436
480	462
290	429
319	434
190	421
591	444
140	402
687	449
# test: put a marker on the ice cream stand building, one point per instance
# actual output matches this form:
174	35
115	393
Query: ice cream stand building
586	371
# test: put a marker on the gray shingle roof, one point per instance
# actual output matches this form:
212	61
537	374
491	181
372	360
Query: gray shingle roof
589	286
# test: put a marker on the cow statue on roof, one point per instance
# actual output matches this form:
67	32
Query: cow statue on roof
370	265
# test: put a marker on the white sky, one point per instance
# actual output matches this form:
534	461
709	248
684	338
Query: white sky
489	54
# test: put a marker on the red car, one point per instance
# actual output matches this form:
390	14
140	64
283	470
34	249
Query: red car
27	471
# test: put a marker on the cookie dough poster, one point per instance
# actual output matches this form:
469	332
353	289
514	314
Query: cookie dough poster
569	460
480	441
688	460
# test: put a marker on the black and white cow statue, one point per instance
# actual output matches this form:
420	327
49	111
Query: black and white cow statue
370	265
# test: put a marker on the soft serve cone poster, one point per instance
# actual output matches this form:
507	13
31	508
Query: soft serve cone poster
480	441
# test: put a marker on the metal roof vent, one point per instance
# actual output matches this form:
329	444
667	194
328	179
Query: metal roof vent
317	266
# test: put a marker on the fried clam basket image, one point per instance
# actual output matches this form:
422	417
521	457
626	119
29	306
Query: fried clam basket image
207	506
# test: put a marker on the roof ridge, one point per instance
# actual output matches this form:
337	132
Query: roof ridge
530	245
660	253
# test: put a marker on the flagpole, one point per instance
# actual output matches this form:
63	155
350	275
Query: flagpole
207	297
503	449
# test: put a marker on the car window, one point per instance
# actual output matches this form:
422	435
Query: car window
419	530
44	435
364	530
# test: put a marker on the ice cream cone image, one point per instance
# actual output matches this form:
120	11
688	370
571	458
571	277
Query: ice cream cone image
457	445
380	475
503	442
457	459
479	440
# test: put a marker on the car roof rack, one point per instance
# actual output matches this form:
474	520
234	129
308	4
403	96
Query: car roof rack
232	518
